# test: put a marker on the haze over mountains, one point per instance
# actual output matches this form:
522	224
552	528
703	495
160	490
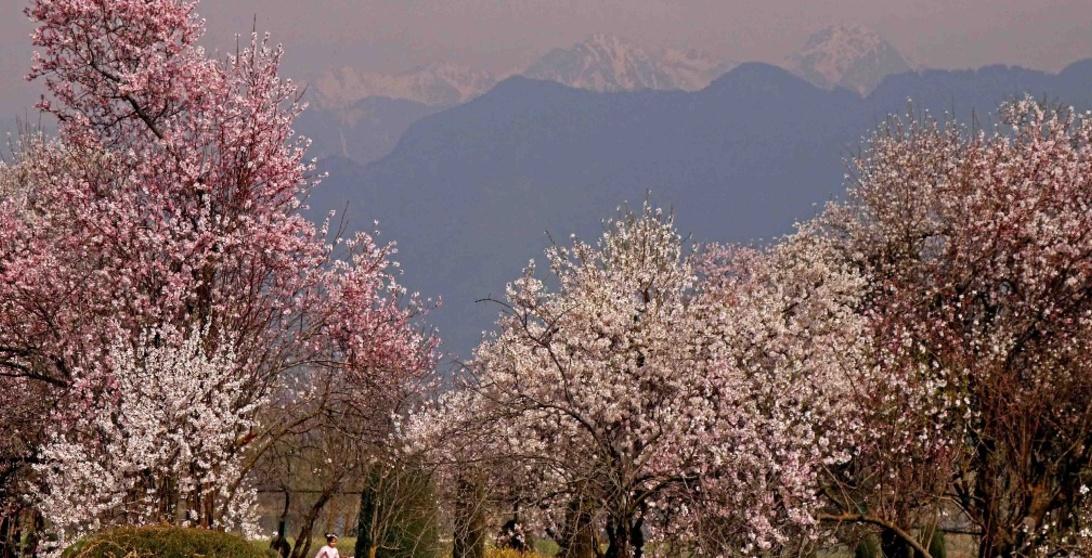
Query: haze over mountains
361	115
470	191
434	84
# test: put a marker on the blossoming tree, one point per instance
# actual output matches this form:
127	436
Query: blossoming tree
162	449
171	201
978	249
657	403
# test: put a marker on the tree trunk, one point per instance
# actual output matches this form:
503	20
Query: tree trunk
7	544
280	541
303	539
366	543
469	537
994	544
625	538
637	537
37	525
577	536
894	546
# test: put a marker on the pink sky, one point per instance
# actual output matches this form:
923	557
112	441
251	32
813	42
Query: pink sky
499	35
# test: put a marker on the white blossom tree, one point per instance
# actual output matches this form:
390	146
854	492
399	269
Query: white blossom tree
695	408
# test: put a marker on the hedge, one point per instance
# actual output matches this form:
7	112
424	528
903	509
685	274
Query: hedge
164	542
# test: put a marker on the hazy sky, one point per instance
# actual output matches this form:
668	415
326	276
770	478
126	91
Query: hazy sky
499	35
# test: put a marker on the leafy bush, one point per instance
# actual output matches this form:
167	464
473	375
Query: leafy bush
164	542
398	517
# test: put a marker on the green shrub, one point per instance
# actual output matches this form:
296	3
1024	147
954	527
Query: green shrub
406	500
164	542
869	547
937	546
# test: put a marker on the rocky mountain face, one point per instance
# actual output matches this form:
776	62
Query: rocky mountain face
850	57
608	63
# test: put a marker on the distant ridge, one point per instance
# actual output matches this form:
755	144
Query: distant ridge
361	115
434	84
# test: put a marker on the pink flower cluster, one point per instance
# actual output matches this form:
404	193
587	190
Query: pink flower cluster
171	201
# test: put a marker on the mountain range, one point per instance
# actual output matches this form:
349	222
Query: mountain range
361	115
433	84
470	192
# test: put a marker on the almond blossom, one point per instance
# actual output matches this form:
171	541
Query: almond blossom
158	446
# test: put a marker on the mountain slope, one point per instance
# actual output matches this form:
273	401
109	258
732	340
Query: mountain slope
361	115
363	131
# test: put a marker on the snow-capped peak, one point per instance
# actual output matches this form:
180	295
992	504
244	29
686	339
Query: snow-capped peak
602	62
605	62
847	56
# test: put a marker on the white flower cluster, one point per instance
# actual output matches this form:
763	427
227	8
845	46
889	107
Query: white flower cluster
160	445
685	399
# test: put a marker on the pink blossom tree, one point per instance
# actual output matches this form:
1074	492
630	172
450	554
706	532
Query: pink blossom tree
796	351
171	201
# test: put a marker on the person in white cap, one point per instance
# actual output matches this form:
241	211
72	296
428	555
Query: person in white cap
330	550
